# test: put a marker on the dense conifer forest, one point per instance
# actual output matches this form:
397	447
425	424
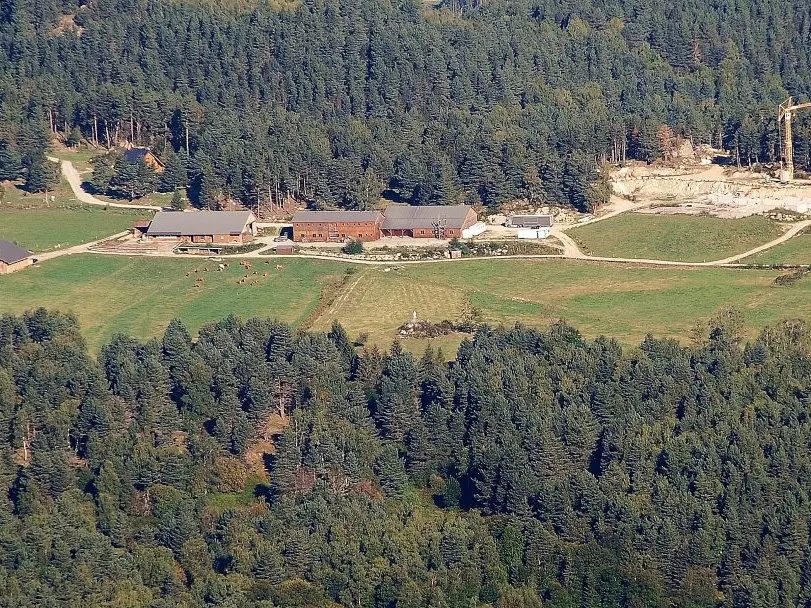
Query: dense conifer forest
537	469
480	101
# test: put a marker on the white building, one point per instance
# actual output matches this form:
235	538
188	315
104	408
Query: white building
532	226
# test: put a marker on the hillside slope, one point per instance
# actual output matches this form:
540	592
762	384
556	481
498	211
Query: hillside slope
336	101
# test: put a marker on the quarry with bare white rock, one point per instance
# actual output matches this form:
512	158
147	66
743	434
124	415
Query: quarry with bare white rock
708	189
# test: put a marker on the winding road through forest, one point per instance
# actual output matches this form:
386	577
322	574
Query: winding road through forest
74	179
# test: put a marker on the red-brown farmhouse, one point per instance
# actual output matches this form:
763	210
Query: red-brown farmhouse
336	226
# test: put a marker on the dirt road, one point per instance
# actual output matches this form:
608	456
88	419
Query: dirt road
570	248
791	232
75	180
618	206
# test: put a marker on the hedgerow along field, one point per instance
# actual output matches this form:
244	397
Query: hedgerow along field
140	295
684	238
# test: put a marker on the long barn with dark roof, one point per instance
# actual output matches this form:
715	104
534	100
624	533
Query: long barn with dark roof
428	221
217	227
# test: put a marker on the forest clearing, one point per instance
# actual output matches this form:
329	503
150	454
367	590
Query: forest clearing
140	295
61	220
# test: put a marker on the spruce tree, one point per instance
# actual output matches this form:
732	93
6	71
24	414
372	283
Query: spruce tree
41	175
10	163
177	203
174	175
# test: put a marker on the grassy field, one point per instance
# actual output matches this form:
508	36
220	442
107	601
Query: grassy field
60	222
46	228
158	199
15	197
685	238
796	250
622	301
139	296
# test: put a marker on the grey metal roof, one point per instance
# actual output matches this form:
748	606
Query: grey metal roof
543	221
11	253
133	155
338	217
199	223
403	217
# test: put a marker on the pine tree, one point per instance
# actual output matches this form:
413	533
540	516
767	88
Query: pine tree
74	138
390	469
338	336
103	171
41	175
178	204
132	180
10	163
269	565
395	404
174	175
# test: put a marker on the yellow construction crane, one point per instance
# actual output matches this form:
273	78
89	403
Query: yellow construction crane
785	112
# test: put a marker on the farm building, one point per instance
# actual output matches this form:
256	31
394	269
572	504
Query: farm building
336	226
13	257
215	227
430	221
531	226
530	221
134	155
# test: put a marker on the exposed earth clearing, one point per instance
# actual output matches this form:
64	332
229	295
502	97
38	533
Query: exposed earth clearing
713	190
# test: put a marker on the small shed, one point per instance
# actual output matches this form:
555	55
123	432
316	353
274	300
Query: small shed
13	257
285	249
136	155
